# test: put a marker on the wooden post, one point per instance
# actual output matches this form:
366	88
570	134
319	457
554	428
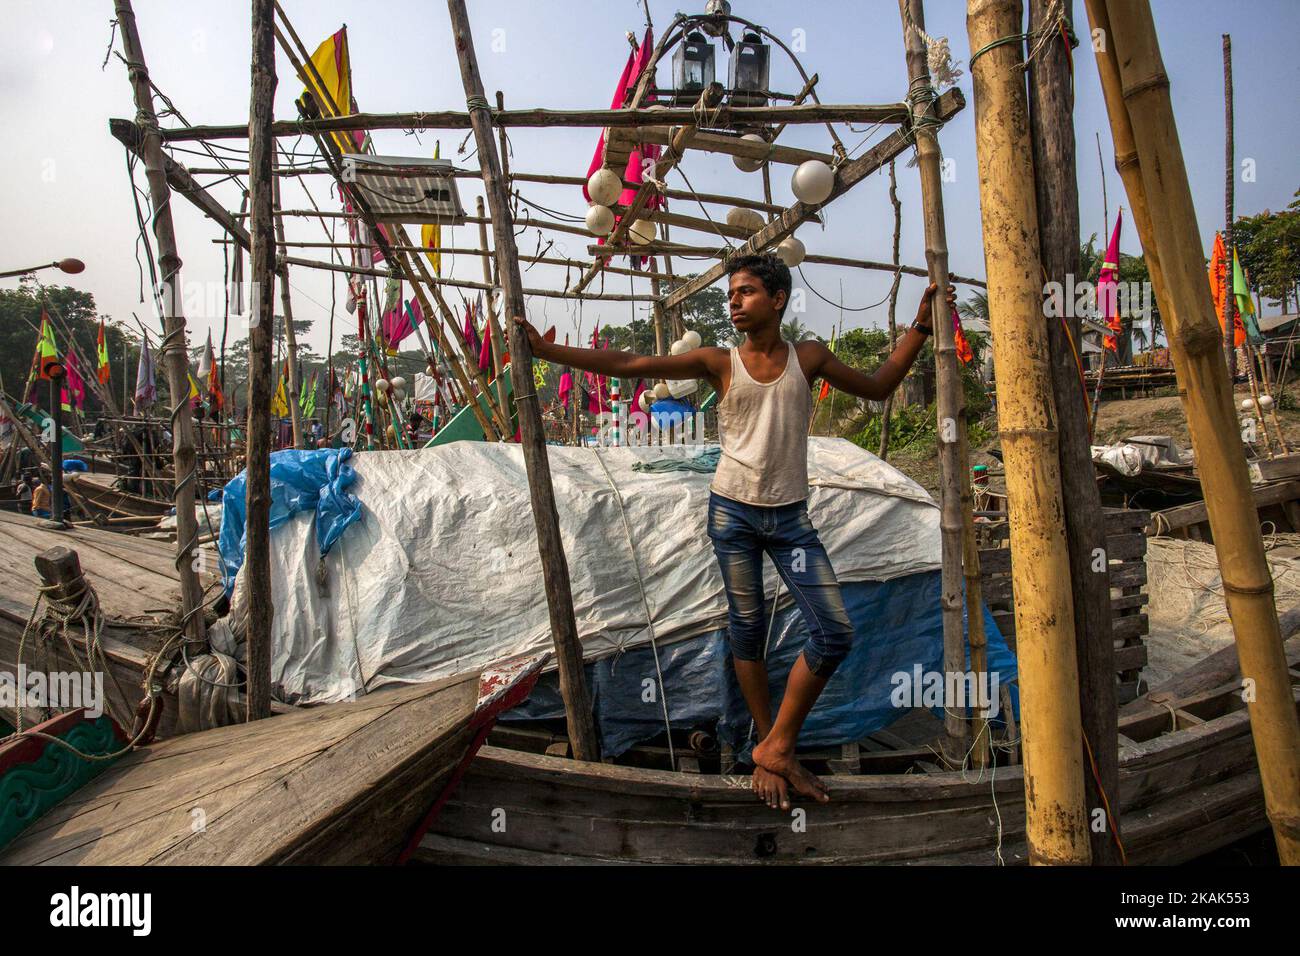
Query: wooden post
1056	822
555	569
56	451
286	307
887	412
1051	112
1247	581
257	559
174	345
1229	182
494	327
949	403
661	340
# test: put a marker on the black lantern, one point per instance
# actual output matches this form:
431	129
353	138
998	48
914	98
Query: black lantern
750	64
692	67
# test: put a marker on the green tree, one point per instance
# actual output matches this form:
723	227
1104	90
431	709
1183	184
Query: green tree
1268	245
20	318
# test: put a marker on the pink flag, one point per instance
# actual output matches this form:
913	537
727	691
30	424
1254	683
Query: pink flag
74	384
566	386
1108	288
471	333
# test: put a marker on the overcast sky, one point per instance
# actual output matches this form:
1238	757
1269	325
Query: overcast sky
67	191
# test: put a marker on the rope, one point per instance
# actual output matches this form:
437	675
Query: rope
645	603
86	610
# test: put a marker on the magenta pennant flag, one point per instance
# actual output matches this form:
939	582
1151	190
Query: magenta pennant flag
1108	288
566	386
76	384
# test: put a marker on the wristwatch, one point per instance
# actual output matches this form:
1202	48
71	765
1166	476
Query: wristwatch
923	329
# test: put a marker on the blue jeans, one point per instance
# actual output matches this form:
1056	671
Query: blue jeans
741	534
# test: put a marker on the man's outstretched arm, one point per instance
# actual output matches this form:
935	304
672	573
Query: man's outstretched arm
697	363
880	384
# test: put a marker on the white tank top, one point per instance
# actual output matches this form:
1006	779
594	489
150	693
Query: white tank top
763	431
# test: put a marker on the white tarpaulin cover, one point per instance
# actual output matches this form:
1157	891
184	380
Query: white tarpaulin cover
442	573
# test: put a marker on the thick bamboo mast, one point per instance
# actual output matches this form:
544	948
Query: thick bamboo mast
1229	182
173	347
257	560
949	399
555	568
1247	581
1055	819
1051	112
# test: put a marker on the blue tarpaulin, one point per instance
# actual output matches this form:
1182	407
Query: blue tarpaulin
314	480
898	627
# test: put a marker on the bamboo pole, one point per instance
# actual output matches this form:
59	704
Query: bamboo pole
950	403
494	327
1247	582
555	570
1051	111
261	608
1229	181
286	307
887	412
173	318
622	119
1056	823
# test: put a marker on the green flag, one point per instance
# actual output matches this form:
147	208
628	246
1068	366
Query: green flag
1245	308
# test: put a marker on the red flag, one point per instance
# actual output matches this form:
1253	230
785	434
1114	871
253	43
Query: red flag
964	351
1219	284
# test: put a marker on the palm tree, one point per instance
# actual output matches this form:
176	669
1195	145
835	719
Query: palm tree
976	307
792	330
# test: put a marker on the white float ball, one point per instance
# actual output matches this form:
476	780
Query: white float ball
642	231
812	182
1247	404
1266	402
746	219
692	339
399	382
644	401
662	391
600	220
683	387
604	187
790	251
677	348
381	384
743	163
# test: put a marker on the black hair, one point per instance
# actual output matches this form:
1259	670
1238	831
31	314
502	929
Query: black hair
769	270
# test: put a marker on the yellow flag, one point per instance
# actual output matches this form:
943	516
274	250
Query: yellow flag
335	69
280	403
431	233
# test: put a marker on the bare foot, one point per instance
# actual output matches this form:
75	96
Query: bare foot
771	789
783	764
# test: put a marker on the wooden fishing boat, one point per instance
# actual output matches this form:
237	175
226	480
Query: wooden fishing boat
346	783
96	496
1189	784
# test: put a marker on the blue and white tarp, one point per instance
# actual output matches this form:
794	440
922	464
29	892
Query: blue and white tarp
898	635
441	574
310	481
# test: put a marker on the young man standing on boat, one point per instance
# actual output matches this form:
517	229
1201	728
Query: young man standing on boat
758	499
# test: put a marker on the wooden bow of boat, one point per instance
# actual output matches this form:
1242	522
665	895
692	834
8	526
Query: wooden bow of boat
342	783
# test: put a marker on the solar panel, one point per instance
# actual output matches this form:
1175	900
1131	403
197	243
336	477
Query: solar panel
407	189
